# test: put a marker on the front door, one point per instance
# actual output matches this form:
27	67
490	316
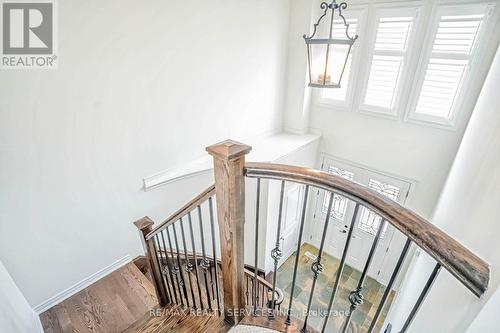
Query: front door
367	222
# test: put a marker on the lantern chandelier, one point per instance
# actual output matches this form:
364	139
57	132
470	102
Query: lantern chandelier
327	56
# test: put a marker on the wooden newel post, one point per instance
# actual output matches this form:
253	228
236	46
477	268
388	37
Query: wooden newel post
229	162
145	225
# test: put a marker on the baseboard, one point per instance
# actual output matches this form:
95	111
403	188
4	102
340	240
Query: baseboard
54	300
38	323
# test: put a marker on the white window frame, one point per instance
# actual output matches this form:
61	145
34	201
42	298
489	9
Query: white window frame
385	10
361	13
421	40
467	82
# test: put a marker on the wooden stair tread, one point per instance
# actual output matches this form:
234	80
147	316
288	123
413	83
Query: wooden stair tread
277	324
175	318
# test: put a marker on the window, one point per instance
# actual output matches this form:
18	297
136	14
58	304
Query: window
454	40
339	32
339	204
388	59
342	208
340	95
410	63
369	221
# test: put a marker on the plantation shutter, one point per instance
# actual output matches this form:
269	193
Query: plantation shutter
446	68
387	62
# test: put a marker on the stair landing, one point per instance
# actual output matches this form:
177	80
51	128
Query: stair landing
109	305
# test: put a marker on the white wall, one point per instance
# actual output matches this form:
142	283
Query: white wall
488	319
305	157
468	210
141	86
421	153
16	315
297	98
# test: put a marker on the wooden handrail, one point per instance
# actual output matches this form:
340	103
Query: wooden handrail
196	201
266	283
468	268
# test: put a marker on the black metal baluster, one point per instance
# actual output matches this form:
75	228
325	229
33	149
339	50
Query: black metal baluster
264	296
257	288
356	297
317	266
256	245
341	266
173	292
246	291
189	265
205	264
276	253
421	298
297	255
163	265
181	272
156	247
212	227
190	223
387	291
176	266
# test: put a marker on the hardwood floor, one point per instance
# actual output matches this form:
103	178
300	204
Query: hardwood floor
111	304
123	302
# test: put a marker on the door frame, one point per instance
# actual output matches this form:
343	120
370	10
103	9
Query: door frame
317	198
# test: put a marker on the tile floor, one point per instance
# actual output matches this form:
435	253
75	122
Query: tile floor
361	318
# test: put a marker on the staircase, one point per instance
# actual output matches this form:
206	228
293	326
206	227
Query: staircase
195	258
176	318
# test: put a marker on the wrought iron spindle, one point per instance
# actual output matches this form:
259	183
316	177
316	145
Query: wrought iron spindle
276	253
189	266
421	298
341	266
205	263
190	223
388	289
176	266
256	245
297	255
317	266
356	297
181	272
163	265
173	291
246	290
214	251
156	247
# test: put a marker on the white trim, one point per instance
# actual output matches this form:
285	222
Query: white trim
413	9
335	158
474	59
58	298
266	149
38	323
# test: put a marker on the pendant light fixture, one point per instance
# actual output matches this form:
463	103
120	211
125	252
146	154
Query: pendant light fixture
327	55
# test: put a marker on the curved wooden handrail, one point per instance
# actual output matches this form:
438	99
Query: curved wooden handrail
468	268
267	284
198	200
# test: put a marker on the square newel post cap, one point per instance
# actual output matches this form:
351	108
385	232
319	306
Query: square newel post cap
228	149
144	224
